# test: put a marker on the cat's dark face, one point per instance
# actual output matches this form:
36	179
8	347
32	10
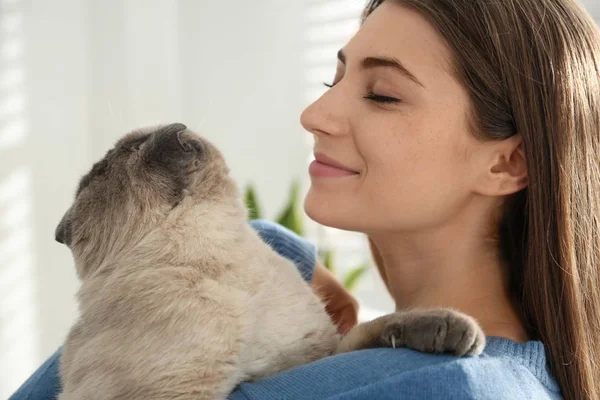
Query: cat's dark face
138	182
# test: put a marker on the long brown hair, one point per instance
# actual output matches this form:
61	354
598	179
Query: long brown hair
532	67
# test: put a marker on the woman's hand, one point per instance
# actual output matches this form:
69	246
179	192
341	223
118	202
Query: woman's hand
341	306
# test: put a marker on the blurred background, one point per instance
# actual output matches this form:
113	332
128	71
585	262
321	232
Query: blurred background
75	75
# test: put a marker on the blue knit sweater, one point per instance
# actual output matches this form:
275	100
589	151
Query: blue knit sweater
505	370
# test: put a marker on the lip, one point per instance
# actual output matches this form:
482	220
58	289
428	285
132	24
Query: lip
324	166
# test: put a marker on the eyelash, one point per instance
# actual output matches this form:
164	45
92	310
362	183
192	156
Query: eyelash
372	96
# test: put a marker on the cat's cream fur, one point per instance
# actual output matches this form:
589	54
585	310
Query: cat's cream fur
180	298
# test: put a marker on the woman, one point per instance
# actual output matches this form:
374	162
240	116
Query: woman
463	138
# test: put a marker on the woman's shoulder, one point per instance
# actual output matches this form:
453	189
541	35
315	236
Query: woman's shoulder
402	373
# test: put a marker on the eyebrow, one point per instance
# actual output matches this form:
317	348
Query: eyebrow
385	62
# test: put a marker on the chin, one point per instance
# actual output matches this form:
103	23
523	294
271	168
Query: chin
331	209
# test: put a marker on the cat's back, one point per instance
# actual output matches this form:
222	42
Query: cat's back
288	324
145	326
126	296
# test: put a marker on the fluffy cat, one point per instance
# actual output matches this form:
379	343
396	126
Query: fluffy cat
181	299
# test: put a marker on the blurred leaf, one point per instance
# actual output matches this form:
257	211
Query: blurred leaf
328	260
252	203
290	217
354	276
285	218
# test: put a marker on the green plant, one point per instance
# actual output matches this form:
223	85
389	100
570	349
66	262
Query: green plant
352	278
252	203
291	218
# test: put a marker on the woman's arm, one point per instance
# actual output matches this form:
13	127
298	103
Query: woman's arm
341	306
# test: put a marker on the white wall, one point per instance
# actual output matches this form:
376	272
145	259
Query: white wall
42	152
244	87
77	74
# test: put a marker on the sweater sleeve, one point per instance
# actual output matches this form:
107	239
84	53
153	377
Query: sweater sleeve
289	245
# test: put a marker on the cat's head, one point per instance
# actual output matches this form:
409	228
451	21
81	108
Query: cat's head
137	184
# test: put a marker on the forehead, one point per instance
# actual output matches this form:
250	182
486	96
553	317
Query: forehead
133	138
398	31
100	168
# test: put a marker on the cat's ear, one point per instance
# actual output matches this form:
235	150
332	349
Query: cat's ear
63	232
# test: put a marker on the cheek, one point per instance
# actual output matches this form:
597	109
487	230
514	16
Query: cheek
333	202
415	176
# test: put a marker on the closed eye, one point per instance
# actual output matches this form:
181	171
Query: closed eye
381	99
372	96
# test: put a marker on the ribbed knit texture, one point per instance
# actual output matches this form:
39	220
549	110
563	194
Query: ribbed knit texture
505	370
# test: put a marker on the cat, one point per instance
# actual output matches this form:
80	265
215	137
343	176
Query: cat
181	299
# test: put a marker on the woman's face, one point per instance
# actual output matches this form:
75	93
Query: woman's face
395	120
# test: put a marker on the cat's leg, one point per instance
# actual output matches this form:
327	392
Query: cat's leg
436	330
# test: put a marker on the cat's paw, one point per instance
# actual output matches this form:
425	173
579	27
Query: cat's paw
434	331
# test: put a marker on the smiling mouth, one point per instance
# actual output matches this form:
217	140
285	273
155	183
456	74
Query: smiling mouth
326	167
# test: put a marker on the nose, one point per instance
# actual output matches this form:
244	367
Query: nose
328	115
173	147
176	127
169	138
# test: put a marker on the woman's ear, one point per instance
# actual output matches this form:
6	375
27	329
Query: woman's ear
506	171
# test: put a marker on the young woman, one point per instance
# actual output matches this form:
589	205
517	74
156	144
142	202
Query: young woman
463	137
